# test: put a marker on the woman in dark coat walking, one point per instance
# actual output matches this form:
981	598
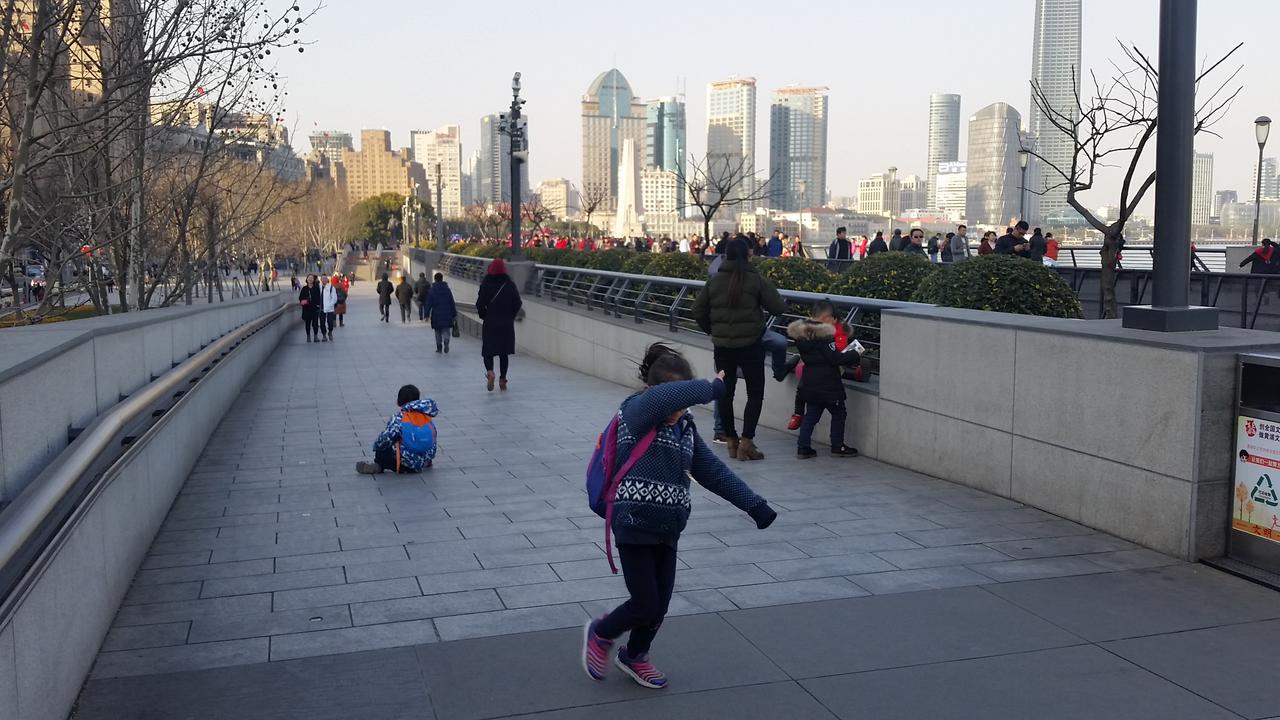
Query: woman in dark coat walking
310	299
441	311
497	304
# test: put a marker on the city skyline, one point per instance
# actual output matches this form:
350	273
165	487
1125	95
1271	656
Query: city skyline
878	113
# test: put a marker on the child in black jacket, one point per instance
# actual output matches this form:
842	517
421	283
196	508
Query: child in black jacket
822	387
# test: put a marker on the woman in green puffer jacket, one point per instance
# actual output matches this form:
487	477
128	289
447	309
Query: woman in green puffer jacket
731	310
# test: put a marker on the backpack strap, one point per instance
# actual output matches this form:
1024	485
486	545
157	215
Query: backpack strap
611	490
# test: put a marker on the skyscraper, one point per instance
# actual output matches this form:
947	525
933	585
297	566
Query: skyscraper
952	188
1055	71
665	143
375	169
798	148
731	129
1270	180
992	169
557	196
913	193
610	114
880	194
1202	189
331	143
944	139
1223	197
495	164
441	148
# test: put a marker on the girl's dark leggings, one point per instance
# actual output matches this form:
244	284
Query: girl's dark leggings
650	572
311	322
504	362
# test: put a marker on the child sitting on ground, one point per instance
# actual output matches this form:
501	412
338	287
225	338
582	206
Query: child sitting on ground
822	387
409	443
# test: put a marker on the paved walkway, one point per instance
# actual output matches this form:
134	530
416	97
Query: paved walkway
283	585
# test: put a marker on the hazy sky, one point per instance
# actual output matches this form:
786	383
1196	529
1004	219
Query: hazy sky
403	65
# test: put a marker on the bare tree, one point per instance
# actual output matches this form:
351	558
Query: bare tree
594	195
1111	130
716	182
535	213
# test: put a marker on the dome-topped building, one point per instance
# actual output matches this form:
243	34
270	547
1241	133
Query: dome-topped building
611	113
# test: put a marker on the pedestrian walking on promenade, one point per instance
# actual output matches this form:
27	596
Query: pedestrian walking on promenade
404	296
340	309
311	301
988	244
878	245
442	312
650	507
497	303
385	290
420	288
730	309
329	305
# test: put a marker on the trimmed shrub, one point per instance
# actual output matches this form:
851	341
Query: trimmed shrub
677	265
611	260
636	263
459	248
796	274
489	251
884	276
1001	283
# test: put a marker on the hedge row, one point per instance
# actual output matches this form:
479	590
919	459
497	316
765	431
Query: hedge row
998	283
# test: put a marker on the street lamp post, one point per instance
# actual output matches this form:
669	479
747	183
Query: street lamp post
513	125
1261	129
1024	157
1169	310
441	245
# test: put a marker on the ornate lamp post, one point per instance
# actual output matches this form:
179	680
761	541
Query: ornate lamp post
1024	157
513	126
1261	129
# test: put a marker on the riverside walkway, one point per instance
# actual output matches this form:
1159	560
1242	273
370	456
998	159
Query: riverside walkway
284	585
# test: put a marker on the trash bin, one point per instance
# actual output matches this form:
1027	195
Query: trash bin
1255	506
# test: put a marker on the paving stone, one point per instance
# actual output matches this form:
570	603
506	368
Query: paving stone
502	622
1132	559
535	556
167	612
708	600
203	572
824	567
880	525
171	592
975	518
342	594
854	544
884	583
168	560
480	579
145	636
776	533
150	661
740	555
558	593
520	528
248	625
994	534
813	639
1072	545
276	550
794	591
418	608
936	557
355	639
341	558
1035	569
436	563
275	581
1227	665
720	577
1028	685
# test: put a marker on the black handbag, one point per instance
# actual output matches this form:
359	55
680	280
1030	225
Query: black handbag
454	331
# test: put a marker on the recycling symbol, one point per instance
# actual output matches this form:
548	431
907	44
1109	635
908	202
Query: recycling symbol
1265	492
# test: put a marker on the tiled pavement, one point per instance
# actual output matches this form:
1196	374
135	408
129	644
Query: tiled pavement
283	585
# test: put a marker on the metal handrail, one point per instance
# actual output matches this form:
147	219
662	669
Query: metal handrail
34	519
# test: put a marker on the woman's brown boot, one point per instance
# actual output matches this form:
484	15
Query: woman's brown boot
747	450
733	444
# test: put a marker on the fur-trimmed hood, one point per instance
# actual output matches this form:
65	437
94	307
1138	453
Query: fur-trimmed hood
806	330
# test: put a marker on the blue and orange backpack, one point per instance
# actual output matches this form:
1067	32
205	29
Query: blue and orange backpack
417	434
603	480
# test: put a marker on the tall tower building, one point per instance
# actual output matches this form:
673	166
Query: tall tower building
626	220
798	123
1202	189
880	194
495	164
1055	70
331	143
1270	180
1223	197
944	139
375	169
558	197
665	136
440	154
992	170
610	114
731	129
